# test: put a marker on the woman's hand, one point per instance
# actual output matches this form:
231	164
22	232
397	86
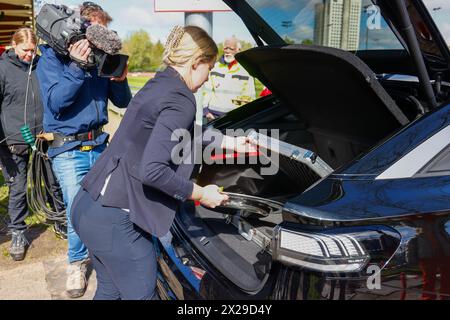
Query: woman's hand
210	116
239	144
209	196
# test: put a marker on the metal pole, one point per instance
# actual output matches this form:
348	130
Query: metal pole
203	20
367	38
415	52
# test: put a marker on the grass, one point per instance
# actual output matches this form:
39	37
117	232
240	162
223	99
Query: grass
31	220
3	201
137	81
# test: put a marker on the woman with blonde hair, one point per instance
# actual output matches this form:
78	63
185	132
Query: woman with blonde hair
20	104
134	189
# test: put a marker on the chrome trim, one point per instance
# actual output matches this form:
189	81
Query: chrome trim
416	159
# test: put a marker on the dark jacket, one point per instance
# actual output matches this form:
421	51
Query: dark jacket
75	100
144	179
13	86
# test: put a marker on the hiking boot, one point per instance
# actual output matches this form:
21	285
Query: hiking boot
76	278
19	245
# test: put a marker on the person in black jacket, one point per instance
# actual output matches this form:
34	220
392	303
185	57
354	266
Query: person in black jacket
133	190
20	105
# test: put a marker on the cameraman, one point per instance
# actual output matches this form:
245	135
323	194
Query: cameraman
75	109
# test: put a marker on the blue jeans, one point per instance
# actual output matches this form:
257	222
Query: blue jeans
70	168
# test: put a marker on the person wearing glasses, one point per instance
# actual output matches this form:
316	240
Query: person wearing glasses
19	106
75	110
229	85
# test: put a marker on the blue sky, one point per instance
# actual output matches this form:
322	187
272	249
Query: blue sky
132	15
441	16
301	14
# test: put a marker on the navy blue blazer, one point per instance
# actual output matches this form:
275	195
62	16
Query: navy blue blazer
144	179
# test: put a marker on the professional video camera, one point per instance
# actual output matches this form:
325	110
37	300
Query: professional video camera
61	26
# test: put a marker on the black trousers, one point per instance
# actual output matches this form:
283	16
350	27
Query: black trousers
123	255
14	170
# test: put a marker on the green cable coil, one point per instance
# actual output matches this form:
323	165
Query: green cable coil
28	136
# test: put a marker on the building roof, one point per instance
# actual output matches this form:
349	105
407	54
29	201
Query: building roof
13	15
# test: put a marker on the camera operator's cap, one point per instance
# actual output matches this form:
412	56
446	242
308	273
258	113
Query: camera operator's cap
91	4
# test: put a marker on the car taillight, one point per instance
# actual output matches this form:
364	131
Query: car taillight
346	250
198	273
225	156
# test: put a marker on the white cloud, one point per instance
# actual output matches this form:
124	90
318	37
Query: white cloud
132	15
226	24
437	3
283	5
445	30
158	25
301	33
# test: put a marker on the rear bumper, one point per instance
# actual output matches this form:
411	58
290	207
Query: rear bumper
183	273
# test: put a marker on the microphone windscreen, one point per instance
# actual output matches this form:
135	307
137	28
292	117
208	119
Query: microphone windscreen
103	39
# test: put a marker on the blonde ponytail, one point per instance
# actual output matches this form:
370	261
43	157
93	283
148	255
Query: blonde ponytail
186	46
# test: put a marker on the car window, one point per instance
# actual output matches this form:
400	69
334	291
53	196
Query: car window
447	227
440	165
346	24
440	12
229	86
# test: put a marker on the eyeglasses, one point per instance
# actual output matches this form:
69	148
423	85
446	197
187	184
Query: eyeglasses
229	48
90	4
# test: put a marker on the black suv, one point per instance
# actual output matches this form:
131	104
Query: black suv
360	205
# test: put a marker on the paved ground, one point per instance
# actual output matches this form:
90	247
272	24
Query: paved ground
41	276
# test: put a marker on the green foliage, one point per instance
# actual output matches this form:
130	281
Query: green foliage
3	201
292	41
156	57
308	42
288	40
144	54
137	81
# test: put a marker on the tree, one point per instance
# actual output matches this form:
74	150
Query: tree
288	40
156	57
139	47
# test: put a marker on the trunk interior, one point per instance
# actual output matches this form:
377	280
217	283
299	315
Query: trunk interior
237	242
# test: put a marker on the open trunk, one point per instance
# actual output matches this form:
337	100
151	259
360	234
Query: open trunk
326	101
